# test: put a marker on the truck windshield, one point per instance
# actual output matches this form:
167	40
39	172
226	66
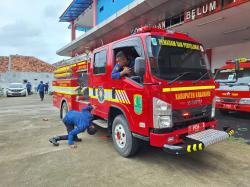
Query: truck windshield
174	59
227	75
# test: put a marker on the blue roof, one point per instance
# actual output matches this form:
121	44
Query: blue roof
75	9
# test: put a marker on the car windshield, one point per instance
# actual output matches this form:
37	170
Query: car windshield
173	59
227	75
16	86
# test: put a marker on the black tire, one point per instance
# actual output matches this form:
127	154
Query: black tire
224	112
123	140
64	110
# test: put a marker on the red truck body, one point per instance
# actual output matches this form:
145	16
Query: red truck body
167	112
234	95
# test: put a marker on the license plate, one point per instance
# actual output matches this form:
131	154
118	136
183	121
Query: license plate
196	128
229	106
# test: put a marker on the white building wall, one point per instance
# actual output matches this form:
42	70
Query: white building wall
221	54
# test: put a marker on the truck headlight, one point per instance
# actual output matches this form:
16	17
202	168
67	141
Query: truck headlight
245	101
162	114
213	108
217	99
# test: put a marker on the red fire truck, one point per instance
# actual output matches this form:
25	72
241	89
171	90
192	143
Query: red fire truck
168	102
233	93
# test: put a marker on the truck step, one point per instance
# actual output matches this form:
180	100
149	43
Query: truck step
101	123
209	137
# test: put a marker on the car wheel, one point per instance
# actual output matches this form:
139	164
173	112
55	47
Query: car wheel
123	140
64	110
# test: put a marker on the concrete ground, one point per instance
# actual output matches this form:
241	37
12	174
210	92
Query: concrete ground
240	121
28	159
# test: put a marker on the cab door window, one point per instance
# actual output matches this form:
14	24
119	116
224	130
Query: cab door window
131	49
100	61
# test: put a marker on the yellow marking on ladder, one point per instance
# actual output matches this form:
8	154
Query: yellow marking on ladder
195	147
189	148
200	146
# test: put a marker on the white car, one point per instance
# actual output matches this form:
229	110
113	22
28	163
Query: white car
16	89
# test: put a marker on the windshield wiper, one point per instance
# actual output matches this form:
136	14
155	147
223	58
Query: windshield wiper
179	76
200	77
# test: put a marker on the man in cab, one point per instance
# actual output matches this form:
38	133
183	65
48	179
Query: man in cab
123	66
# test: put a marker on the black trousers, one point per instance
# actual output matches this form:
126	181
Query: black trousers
69	128
41	95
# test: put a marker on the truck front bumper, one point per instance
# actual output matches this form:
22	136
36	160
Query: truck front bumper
198	141
176	136
233	107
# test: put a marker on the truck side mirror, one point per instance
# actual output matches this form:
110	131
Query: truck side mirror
237	66
237	69
140	66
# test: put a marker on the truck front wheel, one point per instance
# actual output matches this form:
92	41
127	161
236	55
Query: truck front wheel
123	140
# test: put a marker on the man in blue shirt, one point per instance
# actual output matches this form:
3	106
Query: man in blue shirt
46	87
75	123
41	89
28	86
123	66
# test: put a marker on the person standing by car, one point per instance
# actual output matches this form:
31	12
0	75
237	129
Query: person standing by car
46	87
28	86
41	89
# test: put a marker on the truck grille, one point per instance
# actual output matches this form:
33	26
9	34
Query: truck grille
196	114
229	100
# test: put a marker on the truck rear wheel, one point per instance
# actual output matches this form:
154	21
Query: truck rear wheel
123	140
64	110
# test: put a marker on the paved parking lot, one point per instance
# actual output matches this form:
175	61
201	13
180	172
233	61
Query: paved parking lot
28	159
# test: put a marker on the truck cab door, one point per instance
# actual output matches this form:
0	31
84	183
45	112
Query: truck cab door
98	83
131	94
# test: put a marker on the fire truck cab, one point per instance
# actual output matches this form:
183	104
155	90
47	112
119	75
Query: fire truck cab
168	101
233	93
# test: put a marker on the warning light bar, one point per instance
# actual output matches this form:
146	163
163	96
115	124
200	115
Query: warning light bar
240	60
149	29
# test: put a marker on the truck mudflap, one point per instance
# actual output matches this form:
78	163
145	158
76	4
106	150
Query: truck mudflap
199	141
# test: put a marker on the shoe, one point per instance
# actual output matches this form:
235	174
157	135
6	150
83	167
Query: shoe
54	141
77	139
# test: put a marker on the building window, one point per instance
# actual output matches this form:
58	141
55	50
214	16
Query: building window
176	20
101	9
100	62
